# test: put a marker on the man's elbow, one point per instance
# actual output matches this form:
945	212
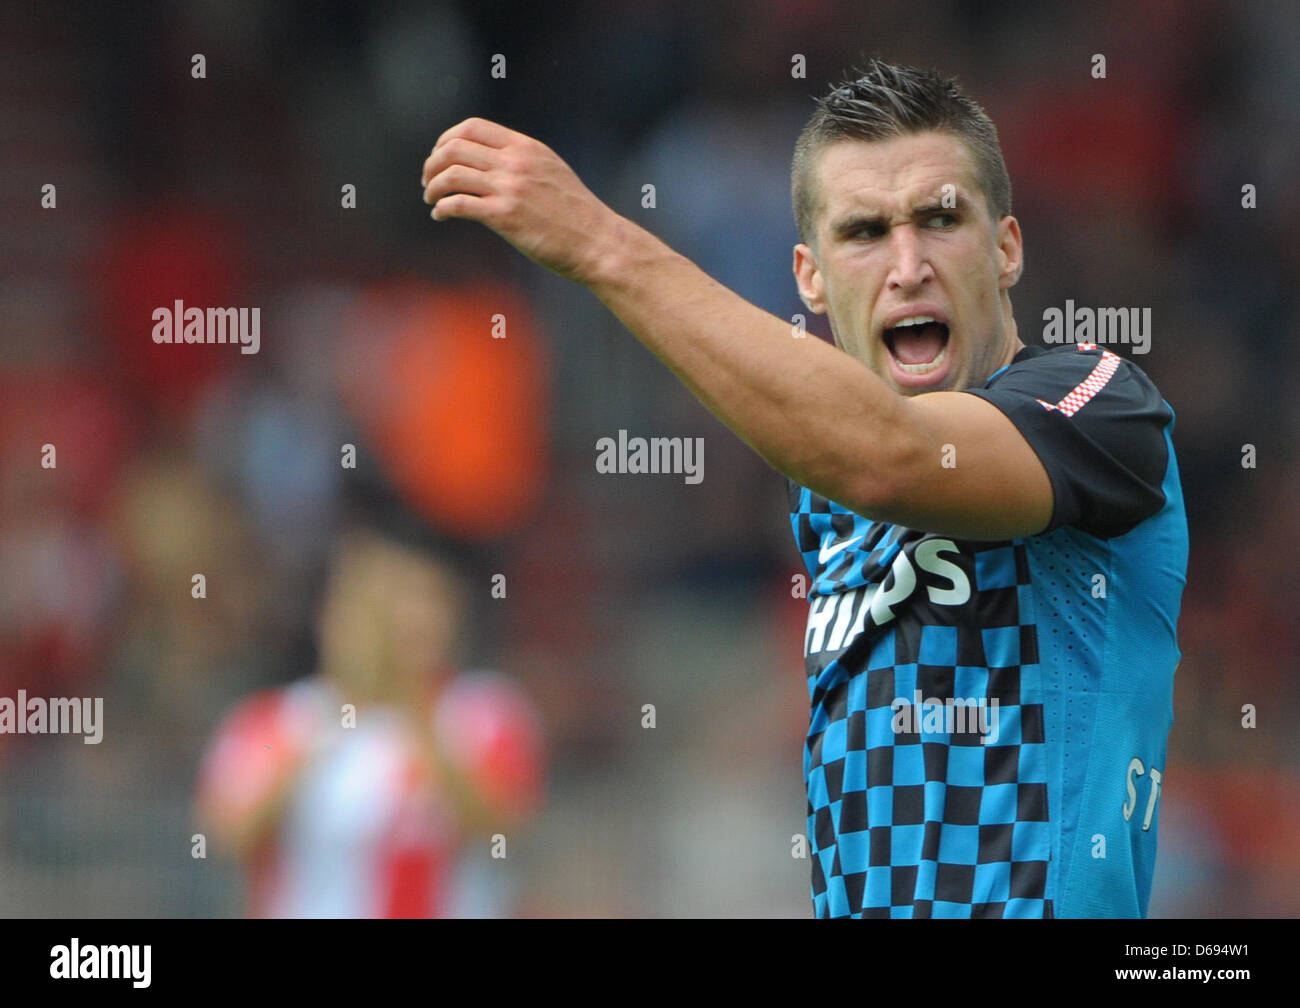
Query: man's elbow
869	488
881	482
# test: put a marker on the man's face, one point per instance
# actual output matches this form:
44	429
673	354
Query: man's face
894	248
389	620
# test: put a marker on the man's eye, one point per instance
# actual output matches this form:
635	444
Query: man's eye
943	221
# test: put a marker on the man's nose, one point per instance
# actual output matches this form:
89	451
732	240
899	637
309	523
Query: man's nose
911	267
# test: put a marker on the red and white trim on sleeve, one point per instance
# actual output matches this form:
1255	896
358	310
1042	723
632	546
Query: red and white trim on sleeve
1078	396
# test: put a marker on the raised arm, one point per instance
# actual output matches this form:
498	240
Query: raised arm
812	411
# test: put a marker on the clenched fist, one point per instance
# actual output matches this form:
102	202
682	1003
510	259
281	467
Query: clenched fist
520	188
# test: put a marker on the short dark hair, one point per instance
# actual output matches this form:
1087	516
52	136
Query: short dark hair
887	101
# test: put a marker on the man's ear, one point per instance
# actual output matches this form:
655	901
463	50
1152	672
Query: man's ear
1011	253
809	279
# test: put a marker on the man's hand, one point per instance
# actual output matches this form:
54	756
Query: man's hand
520	188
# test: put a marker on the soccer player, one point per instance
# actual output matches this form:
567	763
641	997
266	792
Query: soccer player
377	808
995	532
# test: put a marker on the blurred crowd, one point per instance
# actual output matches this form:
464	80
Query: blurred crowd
615	592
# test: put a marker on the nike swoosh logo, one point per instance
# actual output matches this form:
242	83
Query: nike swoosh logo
825	555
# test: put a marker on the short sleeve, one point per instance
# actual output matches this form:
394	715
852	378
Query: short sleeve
253	752
489	731
1098	425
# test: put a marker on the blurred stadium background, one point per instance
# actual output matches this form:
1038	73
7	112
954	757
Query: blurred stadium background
622	591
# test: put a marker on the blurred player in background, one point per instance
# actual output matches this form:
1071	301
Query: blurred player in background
375	787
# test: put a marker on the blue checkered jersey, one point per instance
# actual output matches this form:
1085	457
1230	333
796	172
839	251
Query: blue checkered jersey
989	719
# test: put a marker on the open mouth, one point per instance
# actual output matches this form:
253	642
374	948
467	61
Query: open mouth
918	344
